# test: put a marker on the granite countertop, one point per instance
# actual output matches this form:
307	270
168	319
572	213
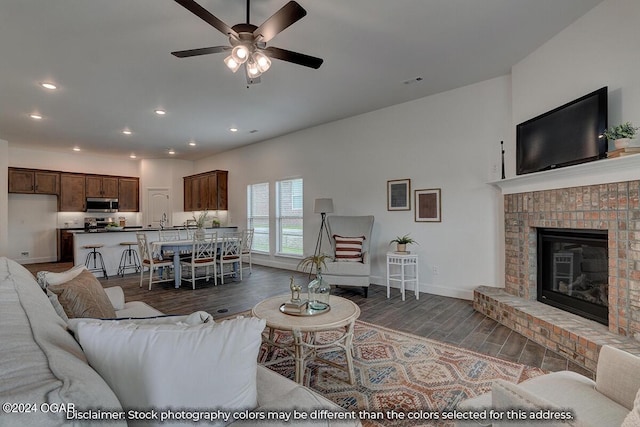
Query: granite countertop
137	228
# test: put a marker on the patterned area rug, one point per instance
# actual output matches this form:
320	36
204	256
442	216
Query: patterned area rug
401	372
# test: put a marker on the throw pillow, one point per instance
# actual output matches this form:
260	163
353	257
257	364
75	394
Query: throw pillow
46	278
205	367
83	296
53	299
348	248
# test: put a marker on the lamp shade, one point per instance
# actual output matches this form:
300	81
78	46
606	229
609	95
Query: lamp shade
323	206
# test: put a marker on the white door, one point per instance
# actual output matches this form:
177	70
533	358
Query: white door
159	205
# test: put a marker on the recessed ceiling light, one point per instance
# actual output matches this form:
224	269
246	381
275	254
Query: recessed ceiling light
160	112
233	129
192	143
133	156
172	151
35	116
126	132
76	148
48	85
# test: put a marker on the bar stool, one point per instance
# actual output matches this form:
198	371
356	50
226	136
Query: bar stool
95	255
129	258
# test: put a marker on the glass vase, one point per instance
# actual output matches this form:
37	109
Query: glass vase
319	290
200	234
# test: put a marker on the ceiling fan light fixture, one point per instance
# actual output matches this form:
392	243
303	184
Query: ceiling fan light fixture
240	54
231	63
252	69
262	61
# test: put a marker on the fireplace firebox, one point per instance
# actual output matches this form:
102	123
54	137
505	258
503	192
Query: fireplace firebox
573	271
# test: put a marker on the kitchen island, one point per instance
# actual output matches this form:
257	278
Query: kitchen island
112	250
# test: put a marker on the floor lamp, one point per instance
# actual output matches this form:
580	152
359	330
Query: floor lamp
323	207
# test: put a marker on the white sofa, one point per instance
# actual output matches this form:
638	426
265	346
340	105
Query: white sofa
42	364
607	401
350	273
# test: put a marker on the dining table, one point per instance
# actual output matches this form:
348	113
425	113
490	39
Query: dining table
177	247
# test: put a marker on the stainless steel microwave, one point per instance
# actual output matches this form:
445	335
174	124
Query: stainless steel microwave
98	204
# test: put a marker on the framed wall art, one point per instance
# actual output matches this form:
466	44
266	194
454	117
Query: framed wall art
399	195
427	205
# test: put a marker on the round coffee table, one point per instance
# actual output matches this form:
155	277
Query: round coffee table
341	316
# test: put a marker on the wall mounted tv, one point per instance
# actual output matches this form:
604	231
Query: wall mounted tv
564	136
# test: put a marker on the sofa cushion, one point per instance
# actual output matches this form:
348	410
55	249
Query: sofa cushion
53	299
39	360
568	389
302	400
201	367
83	296
348	249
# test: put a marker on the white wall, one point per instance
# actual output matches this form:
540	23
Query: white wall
4	203
72	162
449	141
33	230
166	173
599	49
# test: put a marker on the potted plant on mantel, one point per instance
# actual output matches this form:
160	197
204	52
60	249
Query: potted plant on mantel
621	134
402	242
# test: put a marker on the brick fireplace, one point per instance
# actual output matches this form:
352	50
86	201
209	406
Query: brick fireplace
612	208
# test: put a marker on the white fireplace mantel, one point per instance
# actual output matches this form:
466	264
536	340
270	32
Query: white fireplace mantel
603	171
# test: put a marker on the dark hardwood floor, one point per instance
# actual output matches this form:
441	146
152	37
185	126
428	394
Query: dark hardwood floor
441	318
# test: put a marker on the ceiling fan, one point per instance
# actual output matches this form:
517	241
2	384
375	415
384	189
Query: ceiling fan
249	43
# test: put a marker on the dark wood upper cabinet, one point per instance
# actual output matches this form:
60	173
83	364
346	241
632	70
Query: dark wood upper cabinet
33	181
74	188
206	191
72	193
128	195
101	186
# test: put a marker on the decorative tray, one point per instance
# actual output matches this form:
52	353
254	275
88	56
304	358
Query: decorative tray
304	310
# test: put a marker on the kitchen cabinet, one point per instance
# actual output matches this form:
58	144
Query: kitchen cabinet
218	191
65	246
206	191
101	186
33	181
128	195
72	193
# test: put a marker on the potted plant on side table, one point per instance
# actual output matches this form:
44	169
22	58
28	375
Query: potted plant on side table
621	135
402	242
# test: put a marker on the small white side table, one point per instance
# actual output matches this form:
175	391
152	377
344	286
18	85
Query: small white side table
407	264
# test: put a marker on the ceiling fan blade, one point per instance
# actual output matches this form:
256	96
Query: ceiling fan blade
206	16
201	51
287	15
295	57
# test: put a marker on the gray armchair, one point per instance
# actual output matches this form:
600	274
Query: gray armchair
342	273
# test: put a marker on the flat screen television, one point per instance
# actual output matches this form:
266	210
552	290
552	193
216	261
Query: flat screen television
564	136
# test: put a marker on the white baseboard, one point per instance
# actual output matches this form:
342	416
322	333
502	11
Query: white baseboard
36	260
466	294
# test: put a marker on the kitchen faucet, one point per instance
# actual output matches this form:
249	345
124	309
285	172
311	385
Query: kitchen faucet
163	221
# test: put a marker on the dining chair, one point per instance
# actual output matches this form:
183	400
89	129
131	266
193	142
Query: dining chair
149	261
203	254
230	253
168	235
247	242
